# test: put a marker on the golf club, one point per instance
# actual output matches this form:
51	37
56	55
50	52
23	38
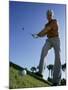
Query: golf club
33	35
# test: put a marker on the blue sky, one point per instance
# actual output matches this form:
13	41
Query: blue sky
24	50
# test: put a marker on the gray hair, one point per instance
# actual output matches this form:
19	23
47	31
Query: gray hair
50	12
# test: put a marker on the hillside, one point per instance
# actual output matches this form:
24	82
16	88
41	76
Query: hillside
16	80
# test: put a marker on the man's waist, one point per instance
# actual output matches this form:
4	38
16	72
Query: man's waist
52	36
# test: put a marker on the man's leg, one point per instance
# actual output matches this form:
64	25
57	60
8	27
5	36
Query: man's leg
44	52
57	63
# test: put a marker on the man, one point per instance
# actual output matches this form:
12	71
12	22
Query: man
51	30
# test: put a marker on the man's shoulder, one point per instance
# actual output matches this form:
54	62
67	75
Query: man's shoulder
52	21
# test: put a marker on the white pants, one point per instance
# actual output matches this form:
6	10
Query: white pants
52	43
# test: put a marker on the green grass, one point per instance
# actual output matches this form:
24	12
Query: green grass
16	80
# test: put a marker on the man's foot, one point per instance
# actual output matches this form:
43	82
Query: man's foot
54	84
38	74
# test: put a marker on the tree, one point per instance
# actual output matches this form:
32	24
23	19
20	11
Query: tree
50	79
63	81
64	67
50	68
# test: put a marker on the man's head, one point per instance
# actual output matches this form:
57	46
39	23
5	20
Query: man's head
50	14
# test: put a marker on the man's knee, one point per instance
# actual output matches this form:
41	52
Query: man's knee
57	52
44	52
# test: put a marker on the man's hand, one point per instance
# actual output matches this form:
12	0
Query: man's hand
34	35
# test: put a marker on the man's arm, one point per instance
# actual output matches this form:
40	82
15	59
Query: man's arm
53	26
44	31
